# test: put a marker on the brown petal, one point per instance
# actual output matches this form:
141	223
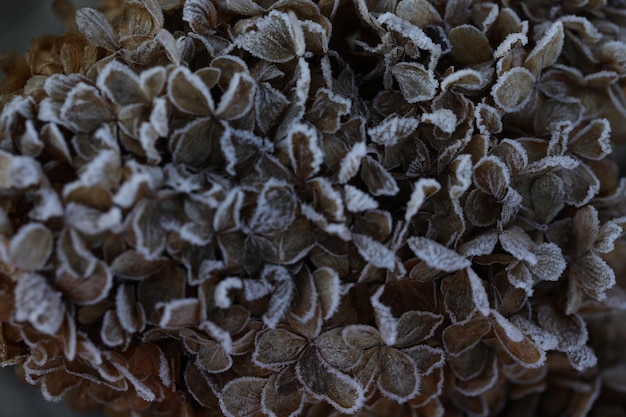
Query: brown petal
96	29
269	104
237	99
426	358
84	110
481	209
111	332
213	358
37	303
375	252
276	208
585	228
184	312
436	255
31	247
550	262
199	387
398	378
328	384
393	130
581	185
304	151
547	50
594	141
201	16
594	275
416	83
150	238
492	176
121	84
87	289
457	299
419	12
513	89
275	348
459	337
335	351
188	93
276	37
361	336
242	396
328	285
416	326
282	394
570	331
194	142
141	17
133	265
166	285
547	193
327	109
482	382
129	312
306	297
520	347
469	45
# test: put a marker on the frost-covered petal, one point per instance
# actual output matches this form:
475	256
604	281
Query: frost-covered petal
594	275
547	49
513	89
94	26
242	396
470	46
304	150
436	255
275	348
392	130
276	37
237	100
459	337
398	378
31	247
375	252
188	93
327	383
416	82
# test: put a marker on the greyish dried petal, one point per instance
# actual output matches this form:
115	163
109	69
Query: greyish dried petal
277	37
416	82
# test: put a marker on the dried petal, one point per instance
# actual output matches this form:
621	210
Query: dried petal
276	37
242	396
328	384
31	247
416	83
398	378
436	255
513	89
547	50
275	348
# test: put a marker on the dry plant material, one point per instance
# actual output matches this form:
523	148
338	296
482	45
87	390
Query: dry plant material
301	208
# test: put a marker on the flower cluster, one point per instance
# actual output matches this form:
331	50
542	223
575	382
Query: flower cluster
284	208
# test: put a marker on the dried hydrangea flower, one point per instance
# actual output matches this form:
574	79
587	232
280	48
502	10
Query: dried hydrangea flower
317	208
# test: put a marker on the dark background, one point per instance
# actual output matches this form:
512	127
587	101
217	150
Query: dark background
20	22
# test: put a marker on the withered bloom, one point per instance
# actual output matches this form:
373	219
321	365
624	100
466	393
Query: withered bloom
298	208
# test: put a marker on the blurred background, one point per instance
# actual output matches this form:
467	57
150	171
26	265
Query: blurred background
20	22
